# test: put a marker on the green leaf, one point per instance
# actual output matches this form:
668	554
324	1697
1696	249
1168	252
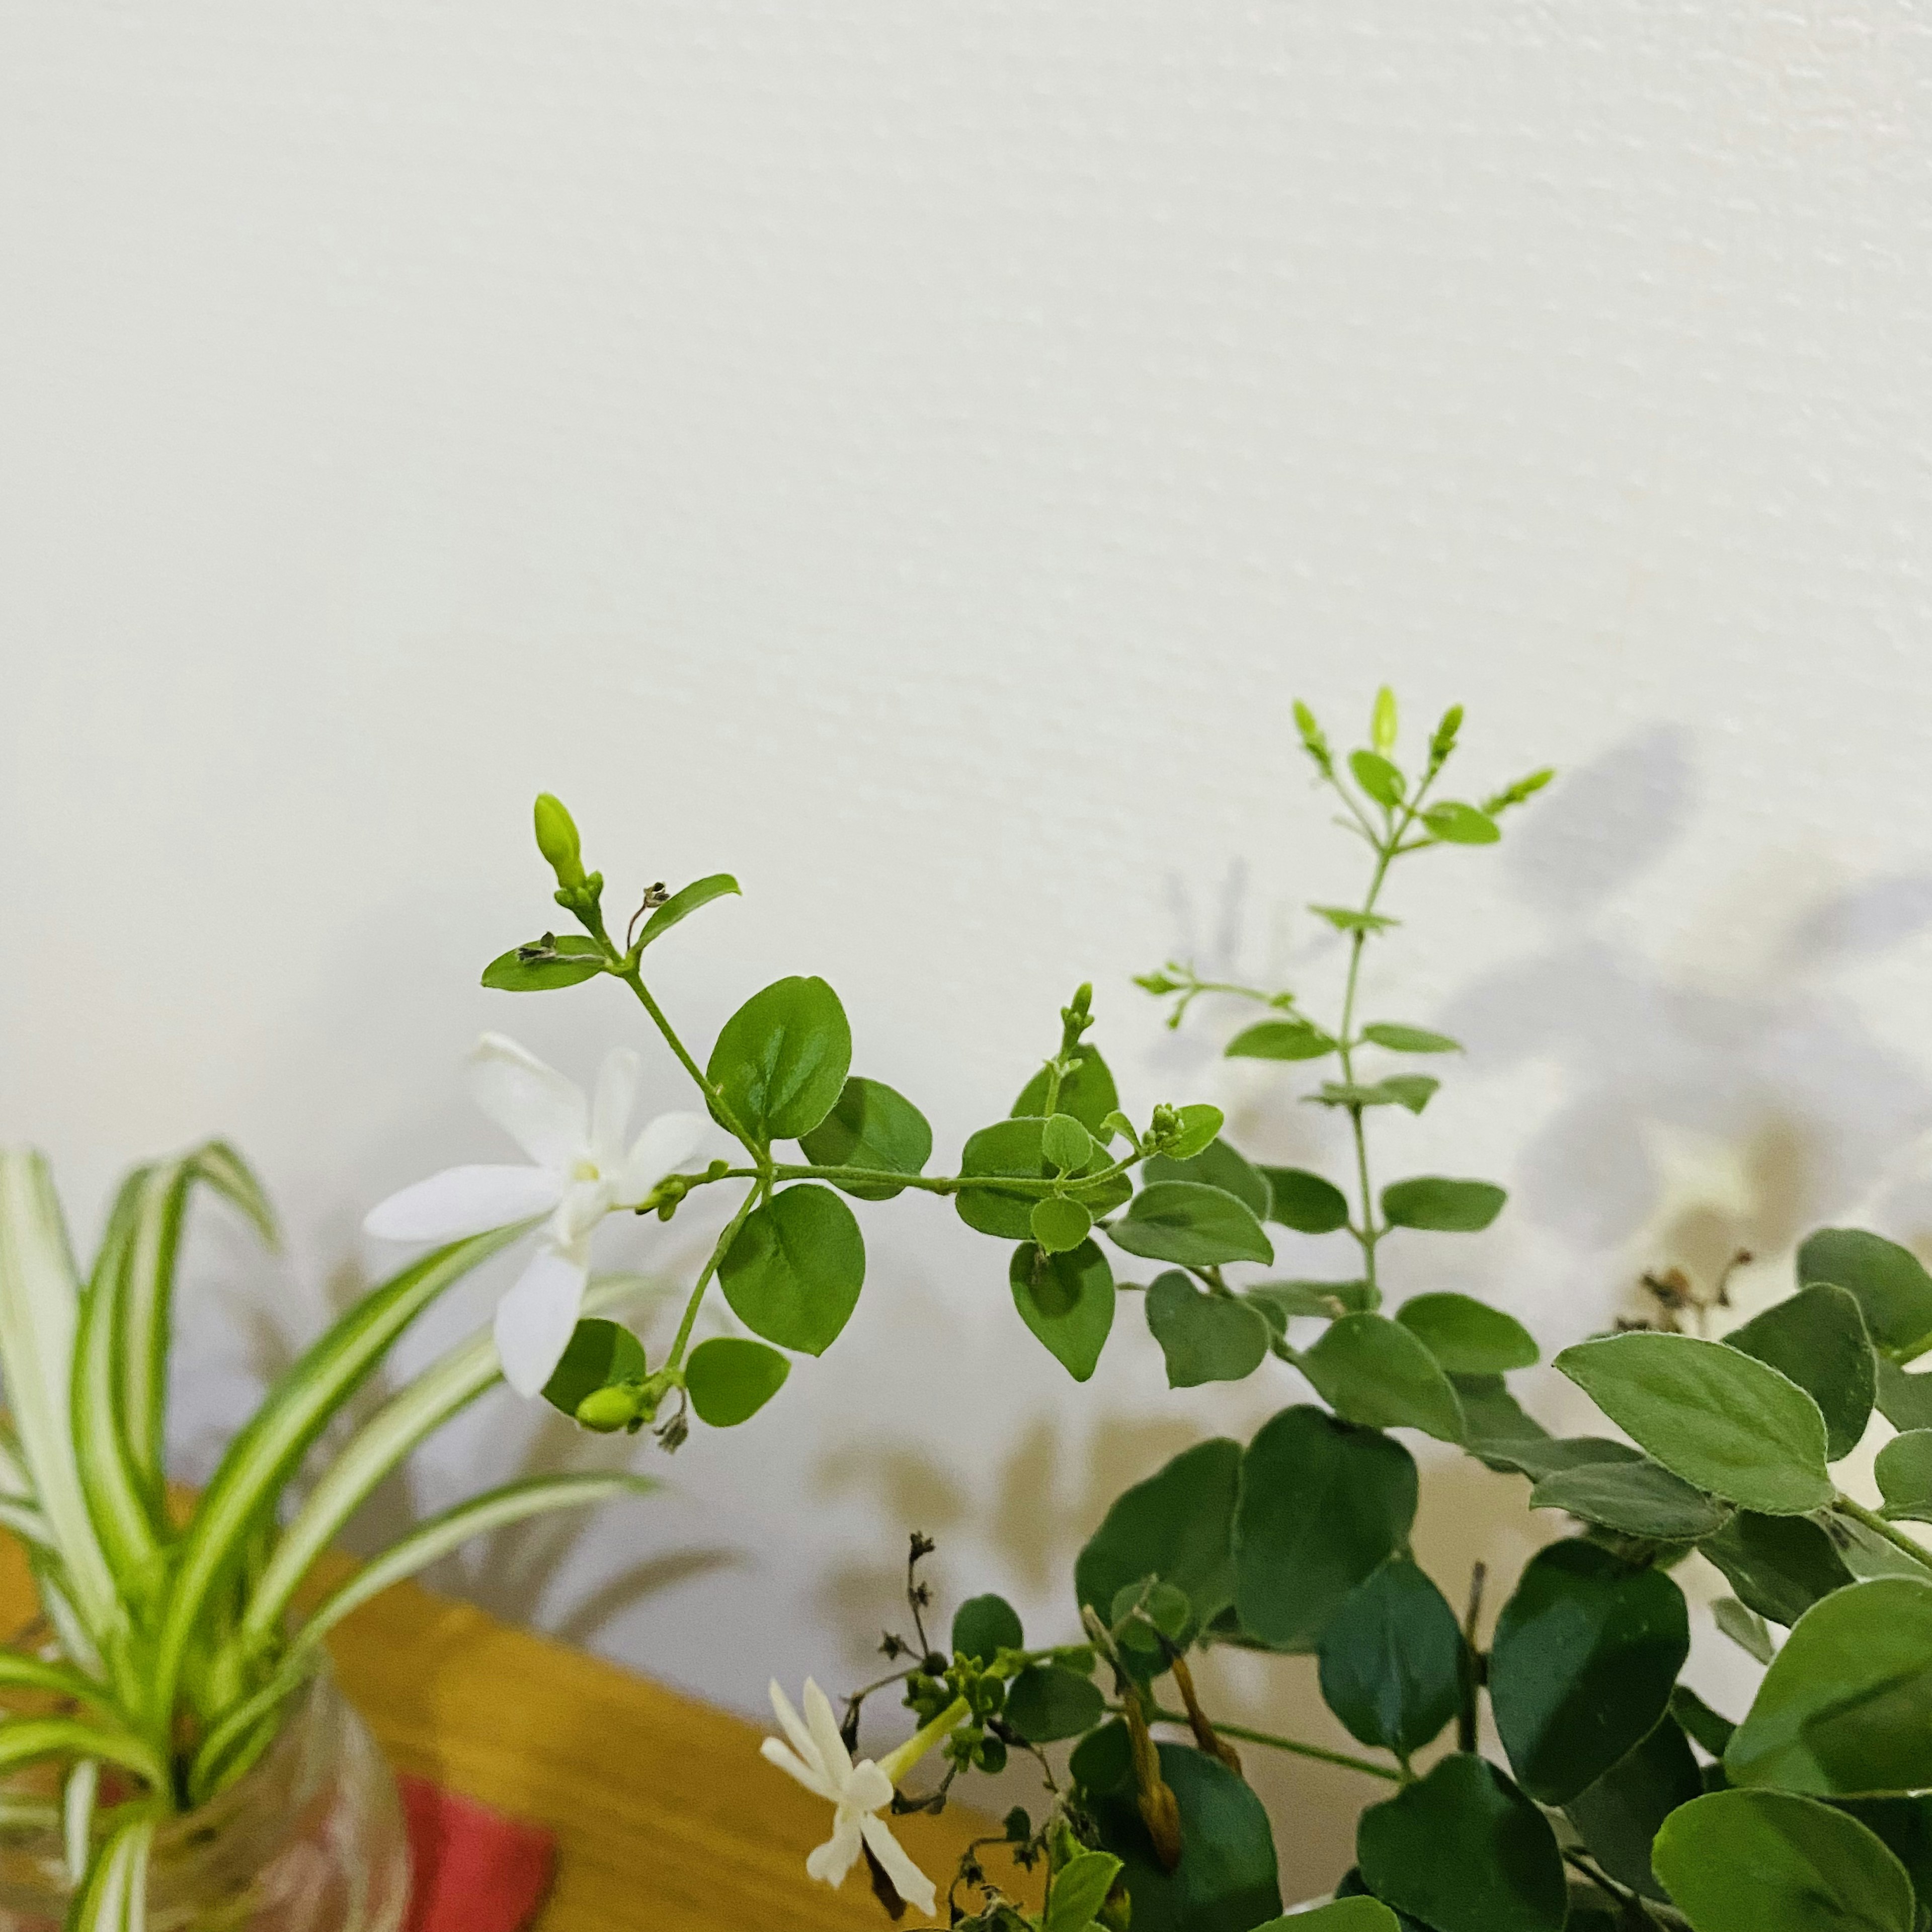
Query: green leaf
1220	1166
1585	1655
780	1060
794	1272
1322	1504
114	1897
1890	1283
1342	1915
1904	1400
1047	1701
1779	1565
1060	1225
1537	1456
1744	1628
1199	1124
1088	1093
870	1126
685	901
1176	1526
1468	1337
1817	1338
1446	1207
1281	1040
1183	1222
1080	1888
1204	1338
1103	1760
1377	777
1343	918
1305	1201
1351	1887
1326	1301
982	1627
1067	1300
1065	1143
599	1353
1463	1850
1639	1498
1460	824
1393	1659
1710	1730
1619	1815
1226	1880
1518	792
1904	1472
1409	1038
730	1379
1905	1825
1725	1422
1766	1861
1144	1612
1371	1370
1012	1149
543	965
1494	1415
1412	1091
1845	1709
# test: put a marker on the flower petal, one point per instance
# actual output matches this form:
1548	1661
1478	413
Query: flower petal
544	1113
832	1755
868	1787
585	1203
535	1321
794	1727
665	1145
610	1112
464	1200
910	1883
775	1752
840	1852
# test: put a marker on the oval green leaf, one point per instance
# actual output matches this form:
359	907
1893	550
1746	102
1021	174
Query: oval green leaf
683	903
1198	1227
1065	1144
1726	1423
1904	1471
982	1627
1640	1498
1441	1205
1340	1915
730	1379
597	1354
1177	1525
1890	1283
870	1126
1058	1225
1305	1201
1409	1038
780	1061
1220	1166
1377	777
794	1272
1371	1370
1779	1565
1817	1338
1047	1701
1204	1337
1466	1337
1619	1815
1393	1659
1281	1040
1067	1300
1459	824
561	959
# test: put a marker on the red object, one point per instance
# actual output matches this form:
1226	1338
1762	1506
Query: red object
476	1870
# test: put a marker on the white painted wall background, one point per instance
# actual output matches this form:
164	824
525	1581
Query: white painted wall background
910	456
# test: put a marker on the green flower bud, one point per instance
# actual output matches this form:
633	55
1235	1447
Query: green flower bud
608	1410
556	840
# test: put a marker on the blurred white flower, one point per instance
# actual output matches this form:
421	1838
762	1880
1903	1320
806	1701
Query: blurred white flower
583	1168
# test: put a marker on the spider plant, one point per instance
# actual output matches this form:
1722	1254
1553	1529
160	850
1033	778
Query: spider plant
176	1644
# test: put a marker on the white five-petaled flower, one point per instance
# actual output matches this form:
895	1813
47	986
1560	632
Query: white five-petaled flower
583	1168
818	1758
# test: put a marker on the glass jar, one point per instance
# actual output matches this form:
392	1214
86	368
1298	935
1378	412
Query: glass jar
310	1840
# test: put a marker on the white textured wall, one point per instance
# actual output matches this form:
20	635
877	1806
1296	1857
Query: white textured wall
910	455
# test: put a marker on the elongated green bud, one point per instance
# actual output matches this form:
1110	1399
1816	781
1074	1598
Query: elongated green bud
556	840
1381	721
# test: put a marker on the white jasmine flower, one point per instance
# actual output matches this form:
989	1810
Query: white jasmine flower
582	1168
818	1758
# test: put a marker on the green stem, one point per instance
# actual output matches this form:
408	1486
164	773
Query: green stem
676	1357
1892	1533
1320	1753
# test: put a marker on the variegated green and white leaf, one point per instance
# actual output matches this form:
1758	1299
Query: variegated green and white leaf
77	1796
24	1741
115	1898
20	1671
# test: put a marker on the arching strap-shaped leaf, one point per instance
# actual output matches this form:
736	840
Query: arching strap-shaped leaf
263	1456
19	1671
24	1741
114	1897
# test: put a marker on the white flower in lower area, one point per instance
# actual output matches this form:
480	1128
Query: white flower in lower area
818	1758
583	1167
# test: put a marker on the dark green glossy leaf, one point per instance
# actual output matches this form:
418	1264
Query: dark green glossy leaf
1845	1709
1067	1300
1725	1422
599	1353
1463	1850
731	1379
1817	1338
569	959
1088	1093
1370	1369
1204	1338
1351	1887
982	1627
1176	1526
1619	1815
1904	1473
685	901
1225	1881
1412	1091
870	1126
1585	1656
1393	1659
1103	1760
1890	1283
1059	1225
1641	1498
1711	1730
794	1272
1466	1337
1409	1038
1199	1227
1221	1166
1443	1206
1779	1565
1305	1201
1767	1861
1905	1825
780	1060
1281	1040
1322	1504
1327	1300
1460	824
1047	1701
1904	1400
